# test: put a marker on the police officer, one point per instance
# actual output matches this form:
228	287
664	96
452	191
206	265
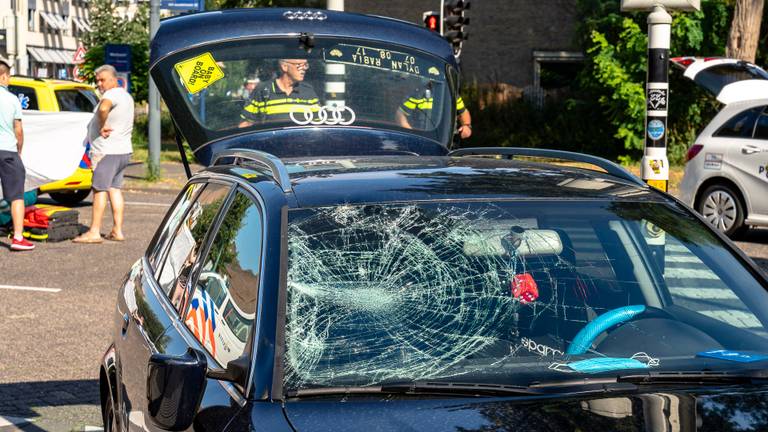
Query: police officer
276	99
418	110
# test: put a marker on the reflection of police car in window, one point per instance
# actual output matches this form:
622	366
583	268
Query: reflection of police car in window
441	290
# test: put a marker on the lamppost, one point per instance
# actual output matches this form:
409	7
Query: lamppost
655	166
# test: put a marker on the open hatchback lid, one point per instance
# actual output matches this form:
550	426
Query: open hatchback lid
304	82
729	80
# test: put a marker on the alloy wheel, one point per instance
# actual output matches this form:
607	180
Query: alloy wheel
720	209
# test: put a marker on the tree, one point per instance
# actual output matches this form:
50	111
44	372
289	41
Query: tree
227	4
111	28
745	30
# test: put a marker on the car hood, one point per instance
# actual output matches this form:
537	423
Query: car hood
668	410
728	80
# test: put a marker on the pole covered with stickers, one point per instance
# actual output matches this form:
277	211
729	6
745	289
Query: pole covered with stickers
655	166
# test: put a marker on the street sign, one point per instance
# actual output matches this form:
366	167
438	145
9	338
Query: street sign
79	56
119	56
124	80
182	5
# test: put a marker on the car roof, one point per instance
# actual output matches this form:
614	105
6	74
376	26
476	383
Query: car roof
322	182
46	82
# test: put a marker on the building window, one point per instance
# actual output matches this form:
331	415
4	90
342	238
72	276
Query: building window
31	19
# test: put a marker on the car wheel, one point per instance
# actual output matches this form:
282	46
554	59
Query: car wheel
70	198
108	415
722	208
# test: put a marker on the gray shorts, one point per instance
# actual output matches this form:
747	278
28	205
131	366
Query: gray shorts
108	173
12	174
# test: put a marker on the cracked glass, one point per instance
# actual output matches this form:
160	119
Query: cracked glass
497	292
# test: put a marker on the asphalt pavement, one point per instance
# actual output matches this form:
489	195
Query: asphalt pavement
57	306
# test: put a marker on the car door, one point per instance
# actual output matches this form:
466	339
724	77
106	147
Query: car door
147	302
218	306
749	158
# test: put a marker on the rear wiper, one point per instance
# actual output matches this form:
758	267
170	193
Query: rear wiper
754	377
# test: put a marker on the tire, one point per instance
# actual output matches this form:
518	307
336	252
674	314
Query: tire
108	415
70	199
721	206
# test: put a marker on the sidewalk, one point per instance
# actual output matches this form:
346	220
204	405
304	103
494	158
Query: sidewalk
172	177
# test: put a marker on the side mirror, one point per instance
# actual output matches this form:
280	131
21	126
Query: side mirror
175	387
236	371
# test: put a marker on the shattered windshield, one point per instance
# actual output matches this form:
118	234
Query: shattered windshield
505	292
275	83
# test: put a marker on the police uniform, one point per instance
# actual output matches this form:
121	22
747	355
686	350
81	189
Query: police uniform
418	110
269	102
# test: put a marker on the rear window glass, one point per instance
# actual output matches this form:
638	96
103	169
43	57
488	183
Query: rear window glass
77	100
26	96
716	77
741	125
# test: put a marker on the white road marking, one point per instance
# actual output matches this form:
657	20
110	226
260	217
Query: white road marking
26	288
689	273
704	293
733	317
144	203
93	429
10	421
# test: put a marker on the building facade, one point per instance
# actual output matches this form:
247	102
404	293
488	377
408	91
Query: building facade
40	37
511	42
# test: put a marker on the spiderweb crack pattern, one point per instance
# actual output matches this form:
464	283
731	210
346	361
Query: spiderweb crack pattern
386	293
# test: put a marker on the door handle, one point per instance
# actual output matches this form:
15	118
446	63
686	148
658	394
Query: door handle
126	321
749	150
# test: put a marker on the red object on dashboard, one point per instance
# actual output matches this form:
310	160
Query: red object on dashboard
524	288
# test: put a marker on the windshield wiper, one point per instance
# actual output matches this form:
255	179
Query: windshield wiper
753	377
584	386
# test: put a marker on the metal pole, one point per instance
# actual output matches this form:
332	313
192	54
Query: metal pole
154	99
335	86
655	166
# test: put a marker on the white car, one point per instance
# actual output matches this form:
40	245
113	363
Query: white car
726	171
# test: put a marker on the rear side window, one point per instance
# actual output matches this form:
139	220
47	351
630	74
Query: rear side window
223	306
26	95
76	100
761	129
741	125
187	244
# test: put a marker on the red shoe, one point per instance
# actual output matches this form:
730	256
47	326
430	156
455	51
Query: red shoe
22	245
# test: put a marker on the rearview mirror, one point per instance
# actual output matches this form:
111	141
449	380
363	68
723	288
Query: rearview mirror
175	387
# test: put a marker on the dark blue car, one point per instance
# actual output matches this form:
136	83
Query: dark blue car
336	267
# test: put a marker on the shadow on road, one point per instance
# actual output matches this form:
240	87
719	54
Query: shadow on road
756	236
27	398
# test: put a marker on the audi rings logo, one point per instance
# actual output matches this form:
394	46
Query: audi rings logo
305	15
326	115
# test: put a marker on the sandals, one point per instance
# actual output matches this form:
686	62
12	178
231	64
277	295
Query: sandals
86	240
113	237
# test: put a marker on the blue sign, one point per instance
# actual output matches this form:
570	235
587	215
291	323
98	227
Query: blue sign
23	100
655	129
119	56
183	5
737	356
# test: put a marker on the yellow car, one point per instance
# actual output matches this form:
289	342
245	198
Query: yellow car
52	95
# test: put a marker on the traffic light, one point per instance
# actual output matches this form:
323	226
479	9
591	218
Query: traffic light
432	21
455	23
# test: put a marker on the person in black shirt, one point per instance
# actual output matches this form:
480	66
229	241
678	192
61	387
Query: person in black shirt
276	99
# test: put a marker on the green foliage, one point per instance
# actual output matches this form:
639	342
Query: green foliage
109	28
615	72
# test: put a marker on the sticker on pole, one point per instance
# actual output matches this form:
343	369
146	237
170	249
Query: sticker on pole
198	72
655	129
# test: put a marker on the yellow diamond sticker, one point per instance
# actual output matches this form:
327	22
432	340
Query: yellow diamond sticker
199	72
